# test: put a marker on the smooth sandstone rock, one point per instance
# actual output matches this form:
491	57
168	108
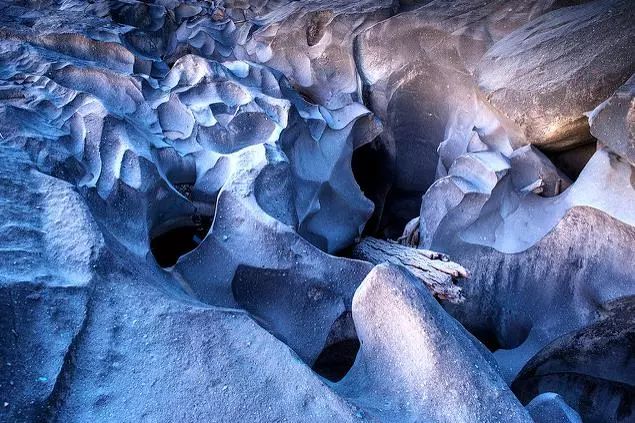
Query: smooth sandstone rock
294	289
227	130
519	303
91	331
417	68
416	363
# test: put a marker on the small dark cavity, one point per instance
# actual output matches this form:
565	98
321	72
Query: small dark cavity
572	161
336	360
488	338
185	190
171	244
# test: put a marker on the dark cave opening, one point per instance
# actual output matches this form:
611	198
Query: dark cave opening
572	160
487	338
512	337
340	351
372	169
169	244
337	359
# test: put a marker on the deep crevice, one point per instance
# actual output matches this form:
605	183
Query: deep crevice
342	346
572	161
373	173
169	244
487	338
337	359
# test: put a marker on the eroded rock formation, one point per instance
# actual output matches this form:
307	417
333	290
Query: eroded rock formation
186	186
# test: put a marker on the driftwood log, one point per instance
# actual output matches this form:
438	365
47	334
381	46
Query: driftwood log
435	270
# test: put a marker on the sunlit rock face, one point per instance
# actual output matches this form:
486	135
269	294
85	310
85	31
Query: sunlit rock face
508	212
181	183
413	364
543	77
417	70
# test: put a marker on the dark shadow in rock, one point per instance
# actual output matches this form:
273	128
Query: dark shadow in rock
372	168
572	161
169	243
185	190
340	350
400	208
337	359
591	368
487	338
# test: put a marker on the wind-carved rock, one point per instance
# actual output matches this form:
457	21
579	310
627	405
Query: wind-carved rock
416	363
152	149
174	176
591	367
417	70
544	77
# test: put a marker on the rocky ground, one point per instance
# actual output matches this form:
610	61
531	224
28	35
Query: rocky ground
320	210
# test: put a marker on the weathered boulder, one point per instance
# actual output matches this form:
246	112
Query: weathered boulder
295	290
417	71
605	184
416	363
519	303
545	75
591	368
91	331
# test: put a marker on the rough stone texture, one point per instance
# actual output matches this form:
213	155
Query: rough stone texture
613	121
115	122
124	342
148	149
294	289
504	211
174	175
313	46
544	76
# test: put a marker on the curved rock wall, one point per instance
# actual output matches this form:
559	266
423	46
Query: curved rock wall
176	175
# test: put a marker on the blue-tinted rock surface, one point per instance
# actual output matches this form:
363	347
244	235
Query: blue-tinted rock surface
175	177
